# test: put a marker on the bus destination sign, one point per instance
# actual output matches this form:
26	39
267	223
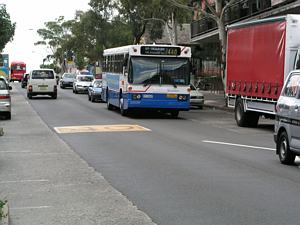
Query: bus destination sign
155	50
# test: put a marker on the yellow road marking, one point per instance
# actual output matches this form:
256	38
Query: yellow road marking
100	128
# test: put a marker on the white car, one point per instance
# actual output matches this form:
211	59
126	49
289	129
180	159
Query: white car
82	83
5	101
42	82
197	98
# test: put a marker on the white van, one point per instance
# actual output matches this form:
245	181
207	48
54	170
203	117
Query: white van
42	82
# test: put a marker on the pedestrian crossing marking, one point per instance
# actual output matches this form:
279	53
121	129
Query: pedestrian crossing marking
100	128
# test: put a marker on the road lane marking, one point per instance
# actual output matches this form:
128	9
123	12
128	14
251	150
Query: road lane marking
100	128
31	207
22	181
239	145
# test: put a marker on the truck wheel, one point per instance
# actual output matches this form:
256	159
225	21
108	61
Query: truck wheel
240	115
286	156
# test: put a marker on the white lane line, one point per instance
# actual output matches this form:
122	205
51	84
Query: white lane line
31	207
238	145
22	181
15	151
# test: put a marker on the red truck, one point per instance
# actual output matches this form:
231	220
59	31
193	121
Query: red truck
260	55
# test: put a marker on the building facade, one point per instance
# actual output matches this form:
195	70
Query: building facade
204	31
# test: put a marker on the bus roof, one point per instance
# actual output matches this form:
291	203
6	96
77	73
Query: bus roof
17	62
136	50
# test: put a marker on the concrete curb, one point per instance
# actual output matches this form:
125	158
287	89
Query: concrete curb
1	131
225	108
5	220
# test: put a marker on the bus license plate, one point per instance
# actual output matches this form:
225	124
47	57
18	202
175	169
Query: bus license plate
171	95
147	96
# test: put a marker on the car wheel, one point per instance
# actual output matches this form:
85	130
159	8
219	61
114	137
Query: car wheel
8	116
89	97
29	95
92	98
200	107
286	156
62	86
73	90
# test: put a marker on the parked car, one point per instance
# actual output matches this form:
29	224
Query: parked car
5	101
42	82
95	91
82	83
197	98
67	80
287	123
24	80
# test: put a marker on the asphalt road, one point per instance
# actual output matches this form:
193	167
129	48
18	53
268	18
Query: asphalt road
197	169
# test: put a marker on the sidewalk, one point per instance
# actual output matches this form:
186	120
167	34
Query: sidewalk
215	100
45	182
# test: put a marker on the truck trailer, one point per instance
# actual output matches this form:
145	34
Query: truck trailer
260	55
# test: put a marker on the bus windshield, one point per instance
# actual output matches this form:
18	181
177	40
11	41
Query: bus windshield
18	67
151	70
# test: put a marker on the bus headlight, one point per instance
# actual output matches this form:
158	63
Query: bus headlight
182	97
136	96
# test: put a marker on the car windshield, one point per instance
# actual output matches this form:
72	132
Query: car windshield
3	85
97	84
85	78
69	75
151	70
42	74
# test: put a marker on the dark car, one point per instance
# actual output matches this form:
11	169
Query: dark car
67	80
24	80
95	91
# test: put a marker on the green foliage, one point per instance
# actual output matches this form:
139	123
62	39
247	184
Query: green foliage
7	30
109	23
2	204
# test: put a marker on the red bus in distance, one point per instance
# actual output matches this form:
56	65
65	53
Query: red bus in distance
17	70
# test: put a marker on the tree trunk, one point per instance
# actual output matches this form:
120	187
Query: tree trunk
223	45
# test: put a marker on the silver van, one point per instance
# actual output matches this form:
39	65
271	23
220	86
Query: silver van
287	123
42	82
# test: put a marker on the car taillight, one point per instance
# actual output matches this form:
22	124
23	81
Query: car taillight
30	88
4	96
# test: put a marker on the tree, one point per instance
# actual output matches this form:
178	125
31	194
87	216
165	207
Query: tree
54	35
7	30
215	11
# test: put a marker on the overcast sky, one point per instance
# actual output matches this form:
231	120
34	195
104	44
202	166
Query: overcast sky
31	15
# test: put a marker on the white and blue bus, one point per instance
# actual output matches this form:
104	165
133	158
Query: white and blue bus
147	77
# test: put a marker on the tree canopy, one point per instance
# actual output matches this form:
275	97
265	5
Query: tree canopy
109	23
7	30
